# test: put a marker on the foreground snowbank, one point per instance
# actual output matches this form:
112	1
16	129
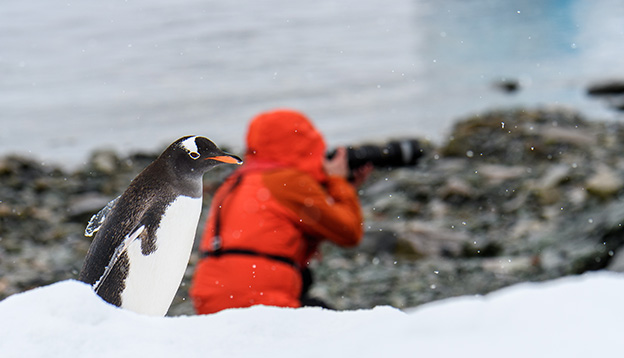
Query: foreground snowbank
569	317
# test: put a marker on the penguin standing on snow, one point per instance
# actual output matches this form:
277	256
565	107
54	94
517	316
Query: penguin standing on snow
143	238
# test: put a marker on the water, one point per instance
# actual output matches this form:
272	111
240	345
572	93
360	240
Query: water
139	74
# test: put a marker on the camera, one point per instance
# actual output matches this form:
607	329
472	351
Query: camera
394	154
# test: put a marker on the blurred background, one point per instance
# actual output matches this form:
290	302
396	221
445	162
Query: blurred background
75	76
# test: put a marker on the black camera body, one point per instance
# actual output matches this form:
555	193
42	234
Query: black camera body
394	154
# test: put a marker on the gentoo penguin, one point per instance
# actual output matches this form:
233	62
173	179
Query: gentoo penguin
143	238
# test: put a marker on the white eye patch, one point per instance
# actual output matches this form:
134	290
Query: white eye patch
191	147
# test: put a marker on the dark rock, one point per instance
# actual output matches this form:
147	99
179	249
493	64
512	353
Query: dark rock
507	85
379	242
514	137
606	88
612	92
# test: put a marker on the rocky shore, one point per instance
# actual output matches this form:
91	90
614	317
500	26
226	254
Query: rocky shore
514	195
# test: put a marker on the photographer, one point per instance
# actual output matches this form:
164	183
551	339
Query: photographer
267	219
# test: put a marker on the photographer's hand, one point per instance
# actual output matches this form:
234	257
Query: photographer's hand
338	165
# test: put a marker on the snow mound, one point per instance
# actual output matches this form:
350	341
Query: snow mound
569	317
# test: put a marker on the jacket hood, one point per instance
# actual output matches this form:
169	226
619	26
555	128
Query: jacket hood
287	138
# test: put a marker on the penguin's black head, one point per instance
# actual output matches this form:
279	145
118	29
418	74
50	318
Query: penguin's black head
194	154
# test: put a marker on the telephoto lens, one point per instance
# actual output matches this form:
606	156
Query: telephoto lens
394	154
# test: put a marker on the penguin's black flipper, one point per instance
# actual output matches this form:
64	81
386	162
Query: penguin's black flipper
119	250
98	219
142	234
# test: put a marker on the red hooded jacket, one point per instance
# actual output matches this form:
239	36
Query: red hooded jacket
279	204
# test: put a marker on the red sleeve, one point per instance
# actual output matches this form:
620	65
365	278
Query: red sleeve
333	213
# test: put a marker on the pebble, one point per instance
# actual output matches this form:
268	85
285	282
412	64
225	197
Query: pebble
604	183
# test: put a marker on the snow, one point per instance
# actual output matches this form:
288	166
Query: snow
577	316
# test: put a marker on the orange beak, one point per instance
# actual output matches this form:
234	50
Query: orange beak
227	159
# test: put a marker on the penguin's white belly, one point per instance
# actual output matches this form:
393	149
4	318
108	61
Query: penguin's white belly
153	279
